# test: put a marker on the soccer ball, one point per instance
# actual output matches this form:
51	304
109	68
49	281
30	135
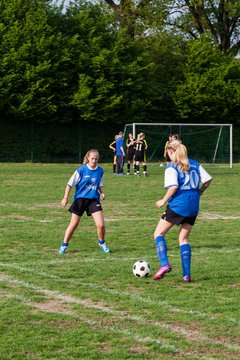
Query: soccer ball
141	268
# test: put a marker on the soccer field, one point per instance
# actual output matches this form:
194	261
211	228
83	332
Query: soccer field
87	304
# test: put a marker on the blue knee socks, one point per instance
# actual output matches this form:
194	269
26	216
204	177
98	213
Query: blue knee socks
185	252
161	248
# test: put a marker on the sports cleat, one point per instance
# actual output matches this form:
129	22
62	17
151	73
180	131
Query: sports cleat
162	271
104	248
62	250
187	278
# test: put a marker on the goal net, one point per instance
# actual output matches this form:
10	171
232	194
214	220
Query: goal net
206	143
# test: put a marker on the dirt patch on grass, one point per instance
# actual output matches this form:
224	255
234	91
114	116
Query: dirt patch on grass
51	306
62	304
139	348
211	216
16	217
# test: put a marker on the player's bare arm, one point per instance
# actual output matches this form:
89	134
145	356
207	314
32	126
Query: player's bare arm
122	149
102	195
66	196
204	186
171	191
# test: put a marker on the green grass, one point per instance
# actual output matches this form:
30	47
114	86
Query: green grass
87	304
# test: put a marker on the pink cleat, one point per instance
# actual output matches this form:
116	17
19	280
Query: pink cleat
187	278
162	271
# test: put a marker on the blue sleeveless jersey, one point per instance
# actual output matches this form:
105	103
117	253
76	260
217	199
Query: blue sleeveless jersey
185	201
87	182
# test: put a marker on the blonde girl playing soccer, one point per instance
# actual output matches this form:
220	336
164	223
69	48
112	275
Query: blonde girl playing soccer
88	182
185	181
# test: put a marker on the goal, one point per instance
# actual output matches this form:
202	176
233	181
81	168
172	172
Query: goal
207	143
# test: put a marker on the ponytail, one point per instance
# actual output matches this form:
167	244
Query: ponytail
180	156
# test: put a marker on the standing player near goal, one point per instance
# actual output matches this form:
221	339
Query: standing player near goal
130	144
112	146
120	153
140	154
183	177
88	181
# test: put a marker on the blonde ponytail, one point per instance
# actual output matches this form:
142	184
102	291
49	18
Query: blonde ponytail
180	157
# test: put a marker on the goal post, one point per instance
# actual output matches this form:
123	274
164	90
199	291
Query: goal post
208	143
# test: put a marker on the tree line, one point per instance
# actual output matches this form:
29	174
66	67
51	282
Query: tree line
120	62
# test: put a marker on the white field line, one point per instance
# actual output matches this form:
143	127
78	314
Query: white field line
212	216
201	216
113	292
221	251
28	220
61	297
120	315
106	290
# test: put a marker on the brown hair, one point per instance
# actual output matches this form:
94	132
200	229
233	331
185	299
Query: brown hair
85	159
180	157
175	137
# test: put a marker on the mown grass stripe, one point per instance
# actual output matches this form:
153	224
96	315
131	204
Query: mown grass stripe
162	343
119	294
67	298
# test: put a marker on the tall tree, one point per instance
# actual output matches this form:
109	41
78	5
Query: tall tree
138	17
33	57
121	79
210	89
218	19
113	83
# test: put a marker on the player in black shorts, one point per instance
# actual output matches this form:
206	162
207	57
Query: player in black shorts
88	183
140	154
130	143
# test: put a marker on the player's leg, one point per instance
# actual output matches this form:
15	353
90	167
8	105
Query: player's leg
128	167
134	166
137	167
144	163
114	164
120	164
185	250
99	221
159	235
75	219
129	161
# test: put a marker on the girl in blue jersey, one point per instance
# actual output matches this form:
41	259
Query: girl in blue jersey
185	180
88	182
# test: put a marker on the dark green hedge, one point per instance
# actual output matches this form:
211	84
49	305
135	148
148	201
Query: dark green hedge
54	142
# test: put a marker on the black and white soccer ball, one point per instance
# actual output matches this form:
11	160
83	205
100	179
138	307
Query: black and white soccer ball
141	268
